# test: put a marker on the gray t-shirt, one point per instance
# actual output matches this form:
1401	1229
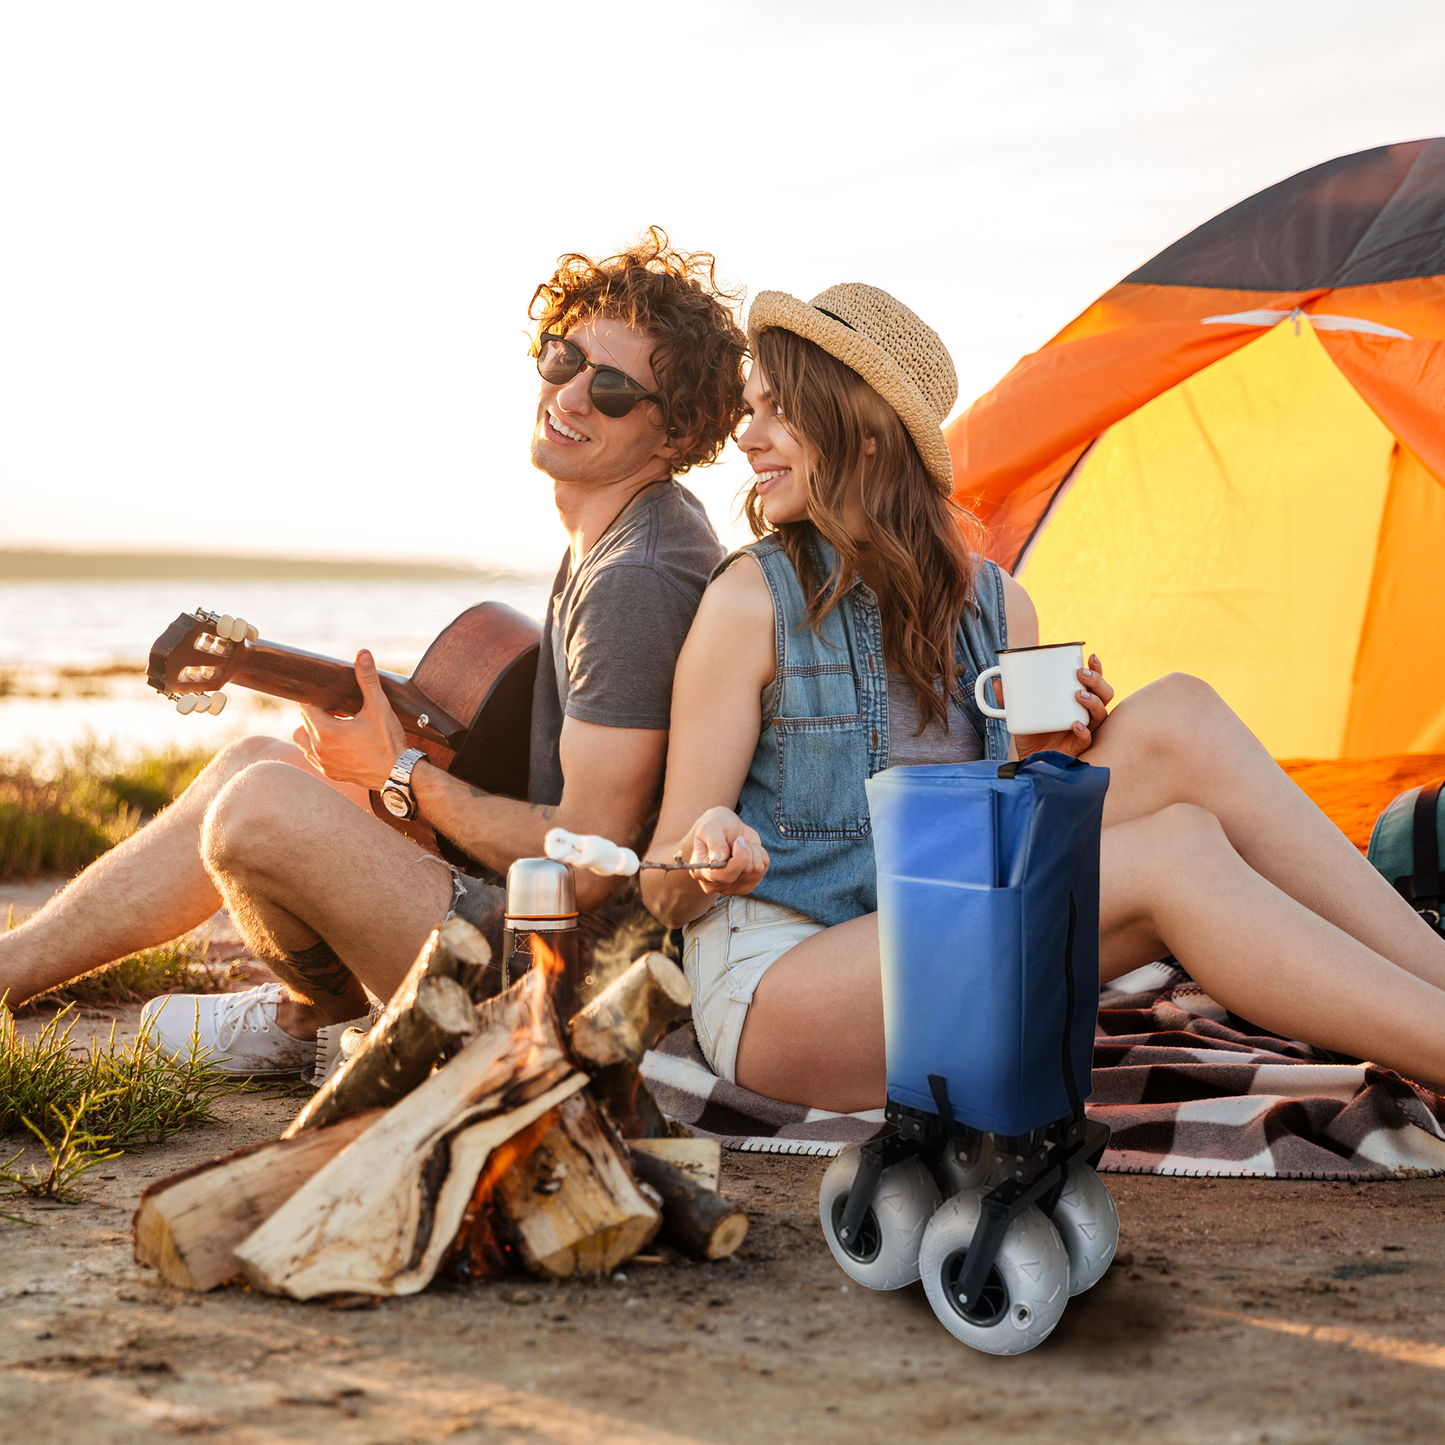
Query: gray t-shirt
613	629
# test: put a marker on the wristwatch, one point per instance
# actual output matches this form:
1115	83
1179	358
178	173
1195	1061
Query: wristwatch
396	794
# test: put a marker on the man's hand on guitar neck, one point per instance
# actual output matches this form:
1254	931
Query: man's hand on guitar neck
360	749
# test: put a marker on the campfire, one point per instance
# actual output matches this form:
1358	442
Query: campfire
463	1138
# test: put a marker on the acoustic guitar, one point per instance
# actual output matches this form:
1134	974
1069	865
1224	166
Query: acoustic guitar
468	706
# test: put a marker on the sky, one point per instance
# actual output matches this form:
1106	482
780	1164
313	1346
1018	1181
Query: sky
264	268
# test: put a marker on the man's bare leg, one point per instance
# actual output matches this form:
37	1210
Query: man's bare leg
1176	741
151	888
330	897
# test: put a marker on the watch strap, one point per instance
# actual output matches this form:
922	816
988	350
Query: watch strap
401	769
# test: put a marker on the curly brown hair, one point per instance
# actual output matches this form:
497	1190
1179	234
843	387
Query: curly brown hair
674	297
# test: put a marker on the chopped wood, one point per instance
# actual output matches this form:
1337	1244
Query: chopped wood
700	1221
427	1019
187	1224
699	1159
487	1154
463	947
377	1219
476	1252
631	1013
572	1206
623	1093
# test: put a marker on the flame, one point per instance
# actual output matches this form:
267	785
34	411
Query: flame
550	960
477	1251
554	958
482	1244
535	1030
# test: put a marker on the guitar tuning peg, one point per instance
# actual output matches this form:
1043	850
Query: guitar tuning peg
187	704
224	624
253	634
203	703
218	703
239	628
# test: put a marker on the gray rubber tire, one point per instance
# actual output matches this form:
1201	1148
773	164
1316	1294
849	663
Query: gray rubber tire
1088	1224
1026	1290
887	1252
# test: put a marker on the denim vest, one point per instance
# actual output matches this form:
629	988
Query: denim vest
804	790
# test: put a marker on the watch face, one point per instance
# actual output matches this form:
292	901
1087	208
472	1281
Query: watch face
394	802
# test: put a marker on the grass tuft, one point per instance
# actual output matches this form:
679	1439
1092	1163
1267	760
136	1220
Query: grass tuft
74	1153
136	1094
178	967
59	819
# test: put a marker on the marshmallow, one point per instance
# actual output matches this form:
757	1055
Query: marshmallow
597	855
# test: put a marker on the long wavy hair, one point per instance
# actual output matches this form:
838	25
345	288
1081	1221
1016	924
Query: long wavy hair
920	538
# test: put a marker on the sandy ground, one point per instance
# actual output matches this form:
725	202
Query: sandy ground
1240	1311
1237	1311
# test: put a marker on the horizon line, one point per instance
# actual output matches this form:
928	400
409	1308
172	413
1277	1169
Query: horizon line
25	564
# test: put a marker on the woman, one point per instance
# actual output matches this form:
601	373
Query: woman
847	639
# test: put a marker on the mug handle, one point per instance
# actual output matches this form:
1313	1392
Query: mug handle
979	684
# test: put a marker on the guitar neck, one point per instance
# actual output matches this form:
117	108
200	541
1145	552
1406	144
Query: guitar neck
330	684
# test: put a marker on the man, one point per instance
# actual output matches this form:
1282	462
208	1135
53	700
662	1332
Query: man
641	366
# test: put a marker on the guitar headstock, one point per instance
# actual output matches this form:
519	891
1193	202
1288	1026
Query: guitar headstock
196	656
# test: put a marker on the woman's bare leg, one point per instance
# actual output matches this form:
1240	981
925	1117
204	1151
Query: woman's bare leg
151	888
1176	741
1172	882
814	1031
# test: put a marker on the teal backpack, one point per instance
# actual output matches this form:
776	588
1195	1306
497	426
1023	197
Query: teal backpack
1406	845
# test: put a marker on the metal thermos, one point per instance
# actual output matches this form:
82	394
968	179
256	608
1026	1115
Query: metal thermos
541	903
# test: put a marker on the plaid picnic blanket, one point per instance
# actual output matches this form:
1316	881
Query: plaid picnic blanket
1186	1087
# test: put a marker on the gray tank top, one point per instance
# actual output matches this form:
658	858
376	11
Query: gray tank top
962	745
908	749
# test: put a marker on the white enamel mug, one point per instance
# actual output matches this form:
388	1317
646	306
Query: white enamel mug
1039	684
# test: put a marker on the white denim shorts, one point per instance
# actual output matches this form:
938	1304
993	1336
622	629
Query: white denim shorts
726	952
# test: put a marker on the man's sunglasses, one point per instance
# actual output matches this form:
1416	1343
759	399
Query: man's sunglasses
613	392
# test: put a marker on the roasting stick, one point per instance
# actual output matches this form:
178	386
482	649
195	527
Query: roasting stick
601	855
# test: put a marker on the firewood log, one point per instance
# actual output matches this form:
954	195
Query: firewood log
428	1018
187	1224
623	1093
699	1159
572	1206
631	1013
699	1220
377	1219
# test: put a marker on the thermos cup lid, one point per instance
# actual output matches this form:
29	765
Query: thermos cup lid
540	888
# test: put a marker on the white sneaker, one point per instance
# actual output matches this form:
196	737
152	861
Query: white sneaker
240	1029
335	1043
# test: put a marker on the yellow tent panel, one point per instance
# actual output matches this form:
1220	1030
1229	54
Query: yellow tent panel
1231	528
1399	693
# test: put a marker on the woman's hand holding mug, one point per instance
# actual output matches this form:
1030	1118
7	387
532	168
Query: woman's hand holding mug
1041	708
729	857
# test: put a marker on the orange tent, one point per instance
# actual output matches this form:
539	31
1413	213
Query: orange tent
1231	464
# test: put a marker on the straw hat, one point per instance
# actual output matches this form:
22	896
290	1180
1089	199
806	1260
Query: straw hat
902	359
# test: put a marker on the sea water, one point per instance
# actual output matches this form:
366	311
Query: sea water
73	653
